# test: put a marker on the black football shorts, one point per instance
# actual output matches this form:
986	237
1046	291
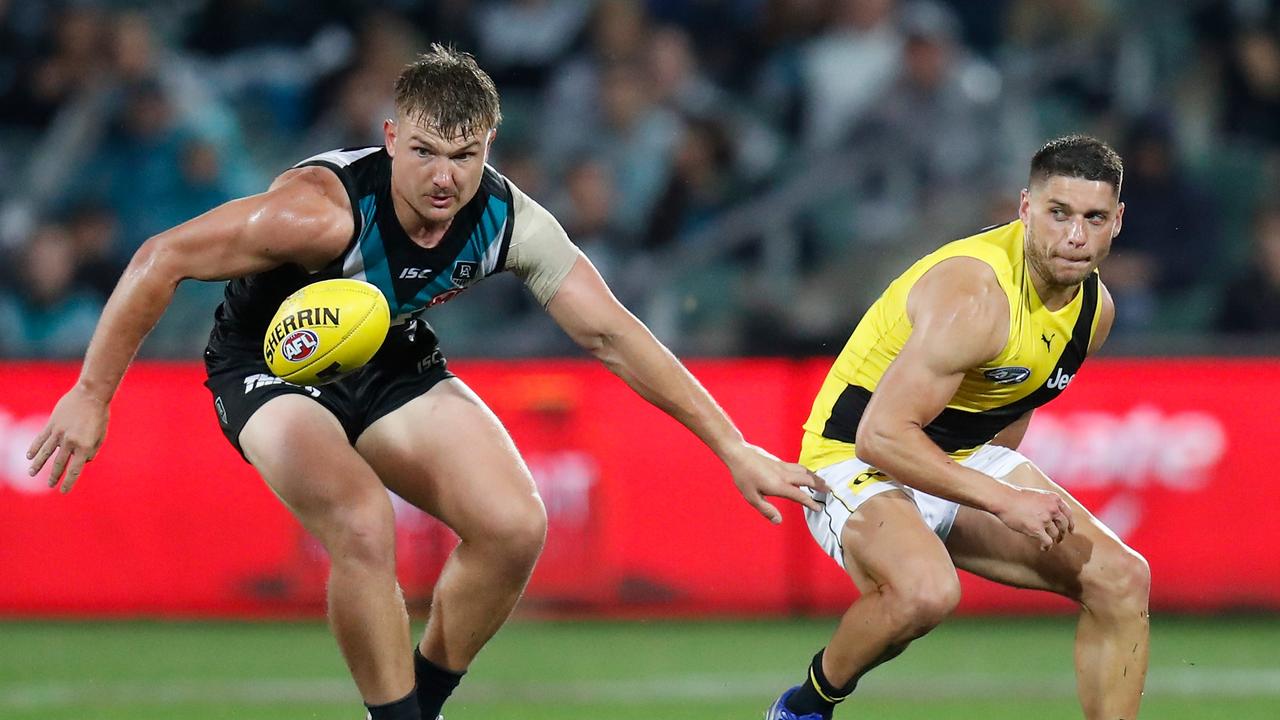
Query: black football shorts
407	365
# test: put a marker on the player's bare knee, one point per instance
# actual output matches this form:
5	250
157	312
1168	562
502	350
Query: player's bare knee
363	534
919	606
516	532
1118	582
368	545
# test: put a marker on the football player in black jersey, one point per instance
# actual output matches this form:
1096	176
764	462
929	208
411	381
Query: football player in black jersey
425	202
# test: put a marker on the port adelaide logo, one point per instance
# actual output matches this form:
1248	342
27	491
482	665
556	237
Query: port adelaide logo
465	272
299	345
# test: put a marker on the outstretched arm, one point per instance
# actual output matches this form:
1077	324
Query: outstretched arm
305	218
960	319
586	309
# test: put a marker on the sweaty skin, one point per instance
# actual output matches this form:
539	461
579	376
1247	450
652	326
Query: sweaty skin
1021	529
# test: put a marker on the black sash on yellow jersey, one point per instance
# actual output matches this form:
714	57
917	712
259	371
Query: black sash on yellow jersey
1044	351
956	429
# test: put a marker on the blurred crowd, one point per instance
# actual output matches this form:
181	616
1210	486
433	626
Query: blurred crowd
748	174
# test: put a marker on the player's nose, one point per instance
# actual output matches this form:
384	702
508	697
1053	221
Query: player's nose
438	172
1076	234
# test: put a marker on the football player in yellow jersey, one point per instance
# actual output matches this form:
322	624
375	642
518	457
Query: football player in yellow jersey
916	428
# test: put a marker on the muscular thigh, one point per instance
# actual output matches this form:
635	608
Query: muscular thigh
446	453
983	545
302	452
886	541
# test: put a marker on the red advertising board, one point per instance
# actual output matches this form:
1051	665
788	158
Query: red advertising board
169	520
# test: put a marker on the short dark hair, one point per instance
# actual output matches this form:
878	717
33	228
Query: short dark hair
1078	156
447	88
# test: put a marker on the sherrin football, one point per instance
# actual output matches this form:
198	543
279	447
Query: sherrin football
326	330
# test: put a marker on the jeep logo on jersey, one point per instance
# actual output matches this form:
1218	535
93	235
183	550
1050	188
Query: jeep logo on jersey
1007	375
299	345
1060	380
464	272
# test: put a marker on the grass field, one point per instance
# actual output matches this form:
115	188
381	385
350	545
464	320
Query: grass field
969	668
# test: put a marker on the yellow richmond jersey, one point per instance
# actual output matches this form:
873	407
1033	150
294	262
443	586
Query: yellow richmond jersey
1044	351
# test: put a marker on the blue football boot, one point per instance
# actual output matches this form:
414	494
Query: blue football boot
778	710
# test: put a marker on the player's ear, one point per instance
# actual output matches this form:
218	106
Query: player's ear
1024	206
389	136
1119	220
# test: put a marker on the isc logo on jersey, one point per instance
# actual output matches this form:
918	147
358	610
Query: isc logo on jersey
326	330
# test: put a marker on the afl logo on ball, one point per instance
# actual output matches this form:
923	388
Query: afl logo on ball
299	345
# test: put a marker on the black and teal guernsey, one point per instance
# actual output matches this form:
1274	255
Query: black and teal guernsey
411	277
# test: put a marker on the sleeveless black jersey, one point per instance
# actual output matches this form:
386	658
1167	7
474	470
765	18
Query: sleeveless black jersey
411	277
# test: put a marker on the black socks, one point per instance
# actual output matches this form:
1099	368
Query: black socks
435	684
817	694
406	708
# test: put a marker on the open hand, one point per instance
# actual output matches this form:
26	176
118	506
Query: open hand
757	473
75	431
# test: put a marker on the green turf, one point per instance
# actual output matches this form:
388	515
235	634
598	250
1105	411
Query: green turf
990	669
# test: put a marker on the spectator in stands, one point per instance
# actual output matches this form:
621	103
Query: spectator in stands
619	32
942	117
699	186
1253	106
1245	39
764	68
350	103
46	314
41	85
354	119
678	82
636	140
17	56
95	234
721	30
1170	220
521	41
222	27
983	24
676	77
451	22
1251	303
588	210
156	171
1064	52
893	92
384	44
520	165
830	82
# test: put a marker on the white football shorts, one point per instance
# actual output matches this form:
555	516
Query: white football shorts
853	482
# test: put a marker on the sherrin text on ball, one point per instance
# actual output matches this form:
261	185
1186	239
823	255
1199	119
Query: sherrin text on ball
326	330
